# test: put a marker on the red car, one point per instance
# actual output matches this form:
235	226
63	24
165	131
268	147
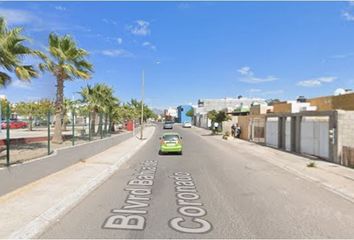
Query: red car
14	124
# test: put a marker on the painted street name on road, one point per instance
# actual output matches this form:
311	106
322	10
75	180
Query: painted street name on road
130	216
190	209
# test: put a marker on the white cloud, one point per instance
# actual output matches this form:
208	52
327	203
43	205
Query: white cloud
348	16
316	82
116	53
60	8
23	17
245	70
140	28
120	41
15	16
340	56
254	90
109	21
247	75
261	92
149	45
21	84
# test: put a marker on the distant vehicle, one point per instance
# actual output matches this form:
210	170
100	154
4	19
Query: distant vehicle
14	125
171	143
168	125
187	125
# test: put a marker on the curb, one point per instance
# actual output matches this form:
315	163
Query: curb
338	191
40	223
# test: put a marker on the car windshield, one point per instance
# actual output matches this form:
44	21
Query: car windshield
168	122
171	137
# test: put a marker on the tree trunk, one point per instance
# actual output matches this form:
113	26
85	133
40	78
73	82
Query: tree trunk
111	126
100	123
57	137
30	123
65	120
105	123
93	122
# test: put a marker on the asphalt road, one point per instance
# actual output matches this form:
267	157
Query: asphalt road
211	191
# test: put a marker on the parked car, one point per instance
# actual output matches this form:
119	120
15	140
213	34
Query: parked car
187	125
14	124
168	125
171	143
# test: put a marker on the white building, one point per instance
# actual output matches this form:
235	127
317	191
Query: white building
171	112
228	104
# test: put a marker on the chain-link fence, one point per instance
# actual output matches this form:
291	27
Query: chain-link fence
23	138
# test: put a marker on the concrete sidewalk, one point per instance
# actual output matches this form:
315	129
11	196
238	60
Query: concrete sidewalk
26	212
335	178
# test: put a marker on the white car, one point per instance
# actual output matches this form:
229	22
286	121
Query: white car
187	125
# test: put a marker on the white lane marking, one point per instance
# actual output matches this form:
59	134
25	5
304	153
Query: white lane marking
139	188
191	211
40	223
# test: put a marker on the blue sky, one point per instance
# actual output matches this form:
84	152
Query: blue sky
192	50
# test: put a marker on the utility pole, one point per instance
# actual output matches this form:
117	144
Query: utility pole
142	107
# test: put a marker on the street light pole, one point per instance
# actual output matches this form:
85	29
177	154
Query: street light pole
142	107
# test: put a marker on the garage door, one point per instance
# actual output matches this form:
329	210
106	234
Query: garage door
314	136
272	132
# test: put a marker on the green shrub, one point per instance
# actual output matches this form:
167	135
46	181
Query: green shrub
311	164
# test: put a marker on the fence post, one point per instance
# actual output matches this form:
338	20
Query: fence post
48	123
8	134
73	127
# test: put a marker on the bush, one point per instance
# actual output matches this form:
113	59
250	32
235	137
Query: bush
311	164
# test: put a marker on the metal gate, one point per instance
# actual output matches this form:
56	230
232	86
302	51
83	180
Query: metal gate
314	136
272	131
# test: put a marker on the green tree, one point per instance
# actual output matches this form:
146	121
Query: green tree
12	52
217	117
100	100
92	99
148	113
28	109
66	61
32	109
4	103
45	106
68	107
190	112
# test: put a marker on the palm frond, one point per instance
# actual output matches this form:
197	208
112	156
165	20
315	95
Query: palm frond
4	79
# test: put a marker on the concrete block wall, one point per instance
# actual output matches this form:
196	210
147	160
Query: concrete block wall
283	107
343	102
345	132
244	123
19	175
226	125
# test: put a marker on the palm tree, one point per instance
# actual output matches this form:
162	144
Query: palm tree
109	103
68	107
90	96
66	62
12	51
101	101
